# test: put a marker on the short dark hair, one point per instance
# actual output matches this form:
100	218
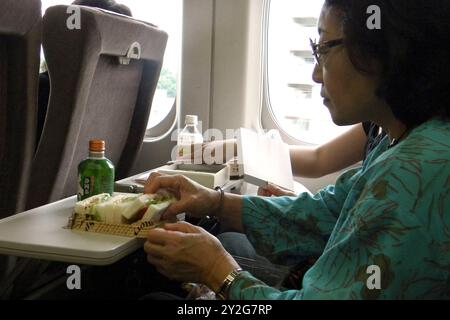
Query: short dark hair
412	47
110	5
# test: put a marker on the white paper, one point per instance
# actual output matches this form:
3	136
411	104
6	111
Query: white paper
265	158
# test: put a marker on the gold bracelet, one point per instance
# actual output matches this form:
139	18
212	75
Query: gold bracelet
222	294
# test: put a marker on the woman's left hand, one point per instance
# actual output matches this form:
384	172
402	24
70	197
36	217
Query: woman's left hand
187	253
276	191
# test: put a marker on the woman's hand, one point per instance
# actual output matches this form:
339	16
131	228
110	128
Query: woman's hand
274	190
212	152
184	252
194	199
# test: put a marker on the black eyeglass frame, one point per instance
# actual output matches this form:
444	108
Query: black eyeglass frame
319	49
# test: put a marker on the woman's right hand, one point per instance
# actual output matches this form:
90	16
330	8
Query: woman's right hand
212	152
193	198
274	190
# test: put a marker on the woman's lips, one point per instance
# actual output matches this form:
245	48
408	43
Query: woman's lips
326	101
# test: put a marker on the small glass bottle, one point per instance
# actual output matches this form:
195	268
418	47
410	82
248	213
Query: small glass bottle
188	137
236	169
95	173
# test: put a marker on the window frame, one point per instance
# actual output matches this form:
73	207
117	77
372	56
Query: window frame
268	118
165	127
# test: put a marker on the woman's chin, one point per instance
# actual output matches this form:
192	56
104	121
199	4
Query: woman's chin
343	121
339	120
334	117
336	122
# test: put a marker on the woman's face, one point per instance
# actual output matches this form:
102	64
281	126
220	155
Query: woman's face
348	94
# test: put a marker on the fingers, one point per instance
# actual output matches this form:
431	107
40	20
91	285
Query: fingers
278	191
154	255
176	208
153	249
158	262
182	227
155	246
273	189
158	236
177	185
150	182
263	192
269	190
158	181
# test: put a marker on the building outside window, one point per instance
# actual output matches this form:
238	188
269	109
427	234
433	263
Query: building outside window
294	98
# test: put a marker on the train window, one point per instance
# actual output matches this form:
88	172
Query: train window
167	16
293	97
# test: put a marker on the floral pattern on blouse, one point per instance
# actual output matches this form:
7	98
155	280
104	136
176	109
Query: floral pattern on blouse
392	213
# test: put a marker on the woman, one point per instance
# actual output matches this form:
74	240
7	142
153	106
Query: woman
382	230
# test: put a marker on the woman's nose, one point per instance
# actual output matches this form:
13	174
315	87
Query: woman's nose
317	74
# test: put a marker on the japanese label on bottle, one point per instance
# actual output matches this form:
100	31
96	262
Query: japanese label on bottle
85	186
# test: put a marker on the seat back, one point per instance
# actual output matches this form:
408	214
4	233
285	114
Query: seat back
20	37
94	95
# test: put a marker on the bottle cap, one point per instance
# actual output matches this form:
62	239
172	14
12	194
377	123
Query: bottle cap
191	120
97	145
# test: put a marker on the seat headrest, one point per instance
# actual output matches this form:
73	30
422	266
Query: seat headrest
115	34
17	17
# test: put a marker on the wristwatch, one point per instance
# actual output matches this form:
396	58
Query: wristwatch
222	294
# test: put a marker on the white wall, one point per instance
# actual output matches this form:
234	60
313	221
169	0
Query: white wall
236	64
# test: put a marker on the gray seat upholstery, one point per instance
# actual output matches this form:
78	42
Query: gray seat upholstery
93	96
20	38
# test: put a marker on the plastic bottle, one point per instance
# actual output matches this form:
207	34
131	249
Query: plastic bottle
189	136
95	173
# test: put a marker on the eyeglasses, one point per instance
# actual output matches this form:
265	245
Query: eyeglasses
320	49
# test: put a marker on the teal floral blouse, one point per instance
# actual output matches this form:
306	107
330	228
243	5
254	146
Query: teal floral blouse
381	232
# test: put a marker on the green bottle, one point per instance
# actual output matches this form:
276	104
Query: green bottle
96	173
